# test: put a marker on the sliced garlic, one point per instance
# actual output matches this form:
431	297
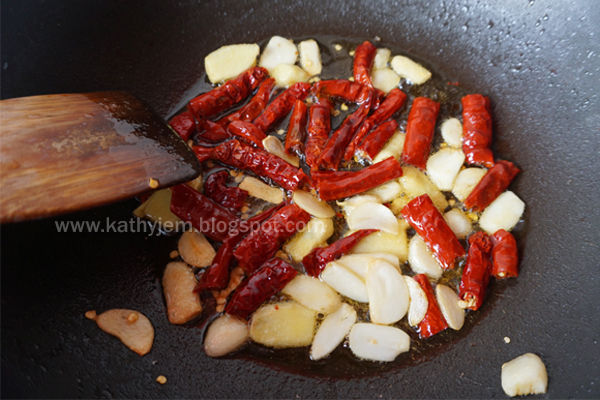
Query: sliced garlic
158	209
448	302
465	182
384	242
316	232
388	293
287	324
393	148
133	328
332	331
279	50
386	192
351	203
313	293
407	68
459	223
312	204
524	375
178	283
444	165
358	263
345	282
230	61
384	79
225	335
421	259
286	75
377	342
415	183
503	213
260	190
371	215
418	302
275	147
310	57
195	249
452	132
382	58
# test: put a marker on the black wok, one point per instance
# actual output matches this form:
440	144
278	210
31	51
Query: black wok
537	60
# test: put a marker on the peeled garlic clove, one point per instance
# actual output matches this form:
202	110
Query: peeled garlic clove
279	50
377	342
260	190
384	79
448	302
230	61
195	249
133	328
372	215
415	183
465	182
225	335
350	204
393	148
444	165
503	213
452	132
382	57
275	147
178	283
313	293
386	192
312	205
316	232
384	242
418	302
310	57
388	293
358	263
524	375
410	70
344	281
332	331
459	223
421	259
287	324
286	75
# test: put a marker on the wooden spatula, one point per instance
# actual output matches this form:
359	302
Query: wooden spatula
68	152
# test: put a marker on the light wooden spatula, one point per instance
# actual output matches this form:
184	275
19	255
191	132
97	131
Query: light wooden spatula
68	152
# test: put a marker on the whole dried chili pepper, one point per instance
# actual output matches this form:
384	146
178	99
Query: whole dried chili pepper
476	275
315	261
505	257
363	62
263	283
375	140
477	130
212	131
216	277
433	322
493	183
203	213
263	243
344	89
243	156
254	107
340	139
319	125
184	124
419	131
425	218
219	99
296	133
247	132
392	103
333	185
281	106
230	197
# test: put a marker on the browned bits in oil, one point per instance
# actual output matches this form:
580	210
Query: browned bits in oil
161	379
132	317
153	183
91	315
174	254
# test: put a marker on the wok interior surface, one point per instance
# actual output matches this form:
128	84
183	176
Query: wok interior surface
538	62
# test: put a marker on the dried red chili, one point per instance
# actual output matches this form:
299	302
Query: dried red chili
477	130
494	182
333	185
344	89
230	197
263	283
424	217
433	322
204	214
375	140
254	107
319	126
315	261
392	103
263	243
219	99
505	257
212	131
363	62
184	124
419	131
281	106
296	133
476	275
248	132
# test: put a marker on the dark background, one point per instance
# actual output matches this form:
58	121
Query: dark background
537	60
